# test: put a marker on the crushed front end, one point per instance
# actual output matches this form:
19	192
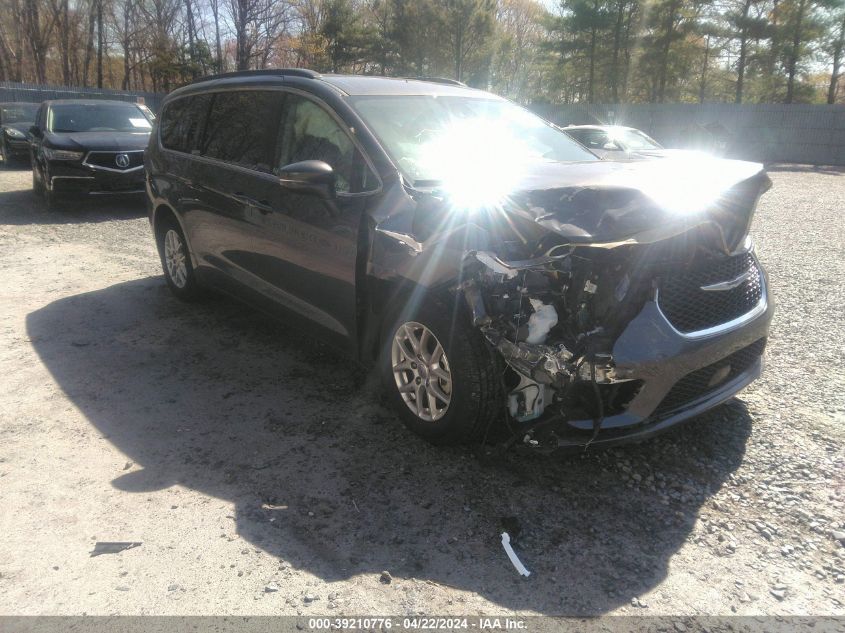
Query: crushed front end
617	316
604	345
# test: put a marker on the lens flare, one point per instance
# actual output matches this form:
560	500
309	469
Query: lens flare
478	161
686	184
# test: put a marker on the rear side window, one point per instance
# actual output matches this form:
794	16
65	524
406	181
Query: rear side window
311	133
182	121
242	128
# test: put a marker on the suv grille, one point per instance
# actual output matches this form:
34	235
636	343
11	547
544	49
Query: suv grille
109	160
689	308
697	384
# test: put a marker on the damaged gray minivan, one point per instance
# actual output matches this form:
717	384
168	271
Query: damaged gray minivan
498	274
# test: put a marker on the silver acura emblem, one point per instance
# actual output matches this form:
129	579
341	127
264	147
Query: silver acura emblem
122	160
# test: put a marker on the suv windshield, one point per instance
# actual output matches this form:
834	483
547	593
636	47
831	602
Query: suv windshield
97	118
18	113
432	137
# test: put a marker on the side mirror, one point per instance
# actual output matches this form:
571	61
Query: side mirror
35	131
309	177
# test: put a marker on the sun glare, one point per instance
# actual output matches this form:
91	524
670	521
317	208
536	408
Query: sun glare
479	162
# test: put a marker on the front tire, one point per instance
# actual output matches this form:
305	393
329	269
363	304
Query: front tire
39	186
176	261
440	376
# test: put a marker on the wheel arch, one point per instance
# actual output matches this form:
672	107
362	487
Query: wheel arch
163	213
382	300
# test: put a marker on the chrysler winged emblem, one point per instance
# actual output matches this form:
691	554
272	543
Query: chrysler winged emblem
733	283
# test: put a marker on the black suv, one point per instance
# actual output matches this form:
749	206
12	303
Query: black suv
491	267
92	147
15	121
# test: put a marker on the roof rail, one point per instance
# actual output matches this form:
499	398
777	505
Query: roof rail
278	72
441	80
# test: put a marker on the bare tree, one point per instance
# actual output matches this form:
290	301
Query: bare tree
38	29
258	25
61	17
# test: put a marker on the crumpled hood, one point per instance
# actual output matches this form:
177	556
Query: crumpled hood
604	202
98	141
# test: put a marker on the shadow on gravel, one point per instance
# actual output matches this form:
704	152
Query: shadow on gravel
15	165
830	170
23	206
215	397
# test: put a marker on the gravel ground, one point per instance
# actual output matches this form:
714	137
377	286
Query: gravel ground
261	475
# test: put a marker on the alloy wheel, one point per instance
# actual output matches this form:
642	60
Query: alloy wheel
421	371
174	258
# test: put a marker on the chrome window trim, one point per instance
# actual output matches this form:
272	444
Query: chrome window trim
108	151
728	326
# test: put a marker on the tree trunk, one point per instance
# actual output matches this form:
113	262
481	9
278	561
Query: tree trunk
459	52
592	72
626	46
215	11
617	42
667	44
189	13
242	56
702	90
127	8
4	59
100	42
837	63
38	35
89	46
794	52
743	53
17	31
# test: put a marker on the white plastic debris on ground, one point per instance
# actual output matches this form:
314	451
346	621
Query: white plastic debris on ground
506	543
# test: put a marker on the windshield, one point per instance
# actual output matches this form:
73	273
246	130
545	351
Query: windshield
18	113
633	139
97	118
432	138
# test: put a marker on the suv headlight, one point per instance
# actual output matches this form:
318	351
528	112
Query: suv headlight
61	154
13	133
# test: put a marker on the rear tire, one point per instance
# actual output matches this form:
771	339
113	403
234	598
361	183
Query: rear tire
414	372
176	261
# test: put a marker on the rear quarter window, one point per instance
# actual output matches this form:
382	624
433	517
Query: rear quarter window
182	122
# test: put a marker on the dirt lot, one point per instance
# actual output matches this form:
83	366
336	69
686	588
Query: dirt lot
262	476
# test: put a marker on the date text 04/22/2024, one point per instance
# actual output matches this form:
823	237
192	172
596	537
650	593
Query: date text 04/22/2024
417	623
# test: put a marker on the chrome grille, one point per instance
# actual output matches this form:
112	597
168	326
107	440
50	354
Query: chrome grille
107	160
690	309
